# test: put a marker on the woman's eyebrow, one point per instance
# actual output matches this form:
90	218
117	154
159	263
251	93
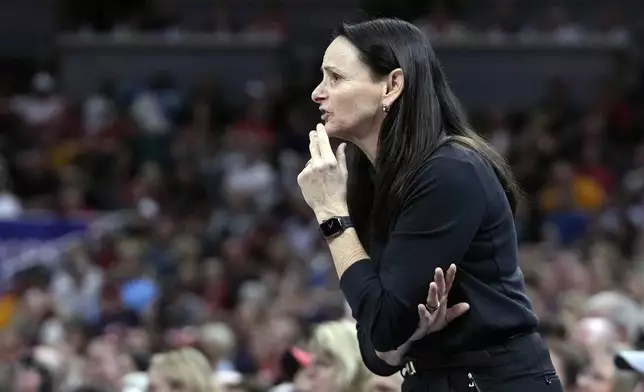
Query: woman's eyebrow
330	68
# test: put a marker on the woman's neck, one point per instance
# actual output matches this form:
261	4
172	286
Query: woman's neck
369	146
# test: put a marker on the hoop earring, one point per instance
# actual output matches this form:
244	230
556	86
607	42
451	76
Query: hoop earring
385	108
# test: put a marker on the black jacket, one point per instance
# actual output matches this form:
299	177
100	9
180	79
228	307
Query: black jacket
456	212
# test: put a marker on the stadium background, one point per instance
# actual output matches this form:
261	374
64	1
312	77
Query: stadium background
148	156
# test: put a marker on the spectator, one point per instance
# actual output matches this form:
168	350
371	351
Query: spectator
157	105
32	377
99	108
337	363
42	107
10	205
218	343
77	286
623	312
186	369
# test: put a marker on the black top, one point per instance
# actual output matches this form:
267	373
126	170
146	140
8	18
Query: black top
456	212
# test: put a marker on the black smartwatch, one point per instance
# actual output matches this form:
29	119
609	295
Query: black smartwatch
335	226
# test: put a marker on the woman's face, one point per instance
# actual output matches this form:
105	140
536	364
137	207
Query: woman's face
349	96
323	374
158	383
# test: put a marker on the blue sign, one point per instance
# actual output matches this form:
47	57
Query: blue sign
24	242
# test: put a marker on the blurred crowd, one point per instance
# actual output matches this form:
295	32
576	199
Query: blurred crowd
219	278
564	22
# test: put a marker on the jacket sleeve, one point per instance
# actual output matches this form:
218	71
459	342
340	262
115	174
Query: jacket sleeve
370	359
437	222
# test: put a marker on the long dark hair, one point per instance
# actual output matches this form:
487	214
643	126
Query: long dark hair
426	115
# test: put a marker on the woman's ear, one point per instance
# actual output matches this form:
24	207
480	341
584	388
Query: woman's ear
395	84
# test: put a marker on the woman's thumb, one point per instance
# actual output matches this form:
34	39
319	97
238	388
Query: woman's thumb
456	311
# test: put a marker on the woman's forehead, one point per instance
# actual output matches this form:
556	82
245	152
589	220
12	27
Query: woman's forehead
341	55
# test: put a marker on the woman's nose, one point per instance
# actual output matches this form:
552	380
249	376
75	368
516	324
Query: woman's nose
317	95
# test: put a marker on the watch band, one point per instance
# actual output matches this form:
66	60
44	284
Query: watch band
346	222
335	226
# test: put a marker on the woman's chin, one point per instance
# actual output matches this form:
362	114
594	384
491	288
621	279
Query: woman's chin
334	131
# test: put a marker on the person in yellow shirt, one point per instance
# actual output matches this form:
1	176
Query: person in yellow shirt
567	191
7	310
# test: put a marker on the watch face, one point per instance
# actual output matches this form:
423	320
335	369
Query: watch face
331	227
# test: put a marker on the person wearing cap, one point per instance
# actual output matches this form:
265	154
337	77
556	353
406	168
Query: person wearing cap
632	361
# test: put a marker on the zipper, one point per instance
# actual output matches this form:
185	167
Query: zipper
549	377
472	383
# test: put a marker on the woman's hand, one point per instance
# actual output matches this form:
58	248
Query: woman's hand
430	321
323	180
434	315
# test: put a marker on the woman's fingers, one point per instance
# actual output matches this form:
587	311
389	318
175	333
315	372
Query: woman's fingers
439	279
449	279
324	146
424	314
433	300
456	311
314	150
438	292
341	156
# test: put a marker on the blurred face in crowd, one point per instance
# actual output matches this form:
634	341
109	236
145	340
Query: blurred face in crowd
302	381
594	334
102	364
349	95
137	340
634	285
323	374
562	173
598	376
27	380
36	303
383	384
126	363
272	339
284	332
159	383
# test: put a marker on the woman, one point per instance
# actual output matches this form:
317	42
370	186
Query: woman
416	190
184	370
336	364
